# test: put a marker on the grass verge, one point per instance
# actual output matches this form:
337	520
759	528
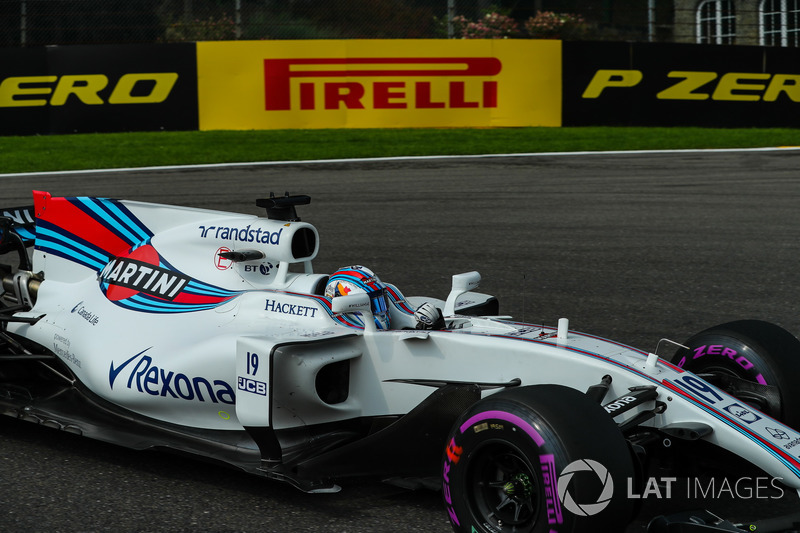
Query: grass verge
119	150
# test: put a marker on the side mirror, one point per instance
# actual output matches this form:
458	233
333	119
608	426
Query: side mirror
355	303
461	283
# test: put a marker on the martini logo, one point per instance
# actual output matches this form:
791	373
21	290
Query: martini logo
140	272
438	82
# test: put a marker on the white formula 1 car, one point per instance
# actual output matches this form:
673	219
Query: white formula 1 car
206	332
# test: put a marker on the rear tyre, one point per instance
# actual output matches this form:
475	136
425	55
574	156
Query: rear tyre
751	350
540	458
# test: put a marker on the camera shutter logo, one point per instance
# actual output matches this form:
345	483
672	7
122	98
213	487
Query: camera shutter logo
591	508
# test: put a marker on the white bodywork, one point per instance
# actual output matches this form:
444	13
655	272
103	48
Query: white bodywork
248	350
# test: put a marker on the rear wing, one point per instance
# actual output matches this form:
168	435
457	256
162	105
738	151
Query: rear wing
23	221
17	232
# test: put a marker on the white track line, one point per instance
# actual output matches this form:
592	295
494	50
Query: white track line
396	158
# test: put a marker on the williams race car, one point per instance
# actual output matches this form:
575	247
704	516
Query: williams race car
209	333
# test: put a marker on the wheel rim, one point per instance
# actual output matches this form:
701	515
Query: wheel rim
505	489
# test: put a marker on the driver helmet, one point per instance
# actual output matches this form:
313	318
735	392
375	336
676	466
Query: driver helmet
358	279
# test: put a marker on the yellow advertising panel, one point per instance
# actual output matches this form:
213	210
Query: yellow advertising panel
378	84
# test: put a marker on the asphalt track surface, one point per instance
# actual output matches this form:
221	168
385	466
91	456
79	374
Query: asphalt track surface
630	247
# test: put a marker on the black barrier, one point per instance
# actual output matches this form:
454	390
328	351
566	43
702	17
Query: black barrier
641	84
81	89
84	89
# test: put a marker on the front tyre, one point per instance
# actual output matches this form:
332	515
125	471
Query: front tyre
752	351
541	458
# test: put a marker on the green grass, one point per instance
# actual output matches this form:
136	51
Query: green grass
115	150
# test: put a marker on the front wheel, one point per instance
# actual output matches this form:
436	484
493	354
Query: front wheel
539	458
734	354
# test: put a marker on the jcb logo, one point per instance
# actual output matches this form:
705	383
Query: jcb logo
461	90
698	85
33	91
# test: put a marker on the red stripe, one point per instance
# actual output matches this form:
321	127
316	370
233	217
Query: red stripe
188	298
64	214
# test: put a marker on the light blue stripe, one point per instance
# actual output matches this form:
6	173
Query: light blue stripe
74	256
108	220
57	237
197	287
156	307
132	224
25	233
153	302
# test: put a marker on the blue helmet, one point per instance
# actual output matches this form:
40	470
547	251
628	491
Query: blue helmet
358	279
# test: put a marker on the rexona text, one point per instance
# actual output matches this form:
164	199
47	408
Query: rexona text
146	377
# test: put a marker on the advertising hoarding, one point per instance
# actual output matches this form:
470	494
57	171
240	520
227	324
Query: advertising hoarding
643	84
378	84
86	89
